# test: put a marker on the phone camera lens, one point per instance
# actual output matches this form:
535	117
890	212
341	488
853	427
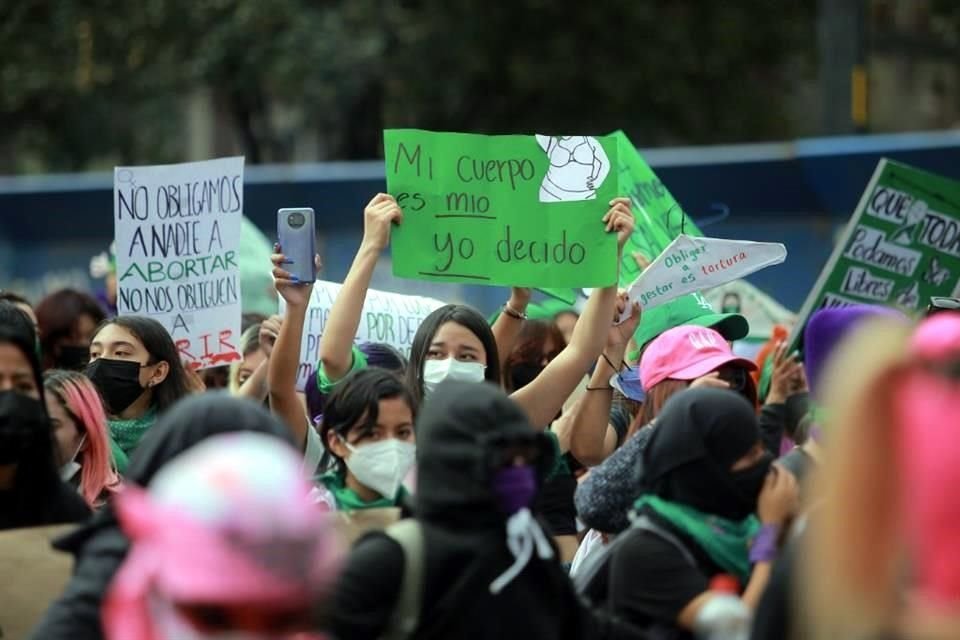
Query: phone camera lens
295	220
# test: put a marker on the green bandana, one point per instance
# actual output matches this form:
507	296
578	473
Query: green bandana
348	500
127	433
727	542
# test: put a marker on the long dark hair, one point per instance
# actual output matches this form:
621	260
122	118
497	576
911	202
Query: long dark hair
159	345
57	316
378	354
355	404
463	315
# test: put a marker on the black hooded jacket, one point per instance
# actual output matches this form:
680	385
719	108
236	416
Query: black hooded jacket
459	431
100	546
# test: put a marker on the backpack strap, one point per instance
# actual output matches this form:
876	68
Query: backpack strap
589	573
406	613
644	523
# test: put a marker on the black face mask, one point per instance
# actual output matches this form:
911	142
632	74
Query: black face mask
72	357
522	374
118	382
749	483
22	420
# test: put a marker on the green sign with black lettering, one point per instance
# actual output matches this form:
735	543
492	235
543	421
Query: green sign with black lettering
901	246
659	217
514	210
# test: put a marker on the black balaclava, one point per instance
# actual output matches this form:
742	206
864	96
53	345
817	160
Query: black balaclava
700	434
459	432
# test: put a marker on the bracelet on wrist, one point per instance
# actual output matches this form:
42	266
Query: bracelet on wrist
513	313
764	547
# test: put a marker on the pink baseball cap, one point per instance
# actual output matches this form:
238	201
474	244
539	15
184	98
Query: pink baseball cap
937	338
686	353
929	452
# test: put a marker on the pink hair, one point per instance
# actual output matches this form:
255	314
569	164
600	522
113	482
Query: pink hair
80	398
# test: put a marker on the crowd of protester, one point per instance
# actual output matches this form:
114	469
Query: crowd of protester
555	477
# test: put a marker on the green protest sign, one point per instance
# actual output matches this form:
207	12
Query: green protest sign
660	218
901	246
502	210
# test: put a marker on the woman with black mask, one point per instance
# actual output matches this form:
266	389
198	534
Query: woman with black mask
101	546
67	320
31	492
705	474
137	369
488	570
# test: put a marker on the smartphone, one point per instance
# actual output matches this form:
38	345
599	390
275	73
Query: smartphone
297	236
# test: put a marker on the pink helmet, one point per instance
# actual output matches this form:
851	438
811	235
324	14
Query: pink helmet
228	523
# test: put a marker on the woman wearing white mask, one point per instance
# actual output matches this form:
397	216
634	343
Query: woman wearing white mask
367	428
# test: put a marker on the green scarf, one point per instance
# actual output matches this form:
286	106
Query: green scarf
348	500
727	542
127	433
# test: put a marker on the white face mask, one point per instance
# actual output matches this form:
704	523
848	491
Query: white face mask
436	371
70	468
381	466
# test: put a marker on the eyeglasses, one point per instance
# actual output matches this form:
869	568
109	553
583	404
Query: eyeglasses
938	305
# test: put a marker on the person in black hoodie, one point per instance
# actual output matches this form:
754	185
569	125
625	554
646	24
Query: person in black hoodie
489	570
31	492
100	547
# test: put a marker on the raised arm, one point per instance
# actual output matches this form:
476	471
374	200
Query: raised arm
508	324
285	359
255	387
544	397
592	438
336	344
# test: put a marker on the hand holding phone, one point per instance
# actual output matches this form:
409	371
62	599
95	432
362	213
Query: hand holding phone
294	291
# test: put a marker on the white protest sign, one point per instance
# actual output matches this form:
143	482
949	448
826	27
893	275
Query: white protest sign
691	264
177	230
390	318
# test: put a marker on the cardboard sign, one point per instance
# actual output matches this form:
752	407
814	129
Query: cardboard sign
900	248
520	211
761	310
390	318
177	230
693	264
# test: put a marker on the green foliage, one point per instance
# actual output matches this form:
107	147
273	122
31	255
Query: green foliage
89	83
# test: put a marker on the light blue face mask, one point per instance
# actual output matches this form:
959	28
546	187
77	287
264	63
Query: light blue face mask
70	468
628	383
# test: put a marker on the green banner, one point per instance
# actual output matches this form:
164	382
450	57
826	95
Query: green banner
901	246
660	219
516	210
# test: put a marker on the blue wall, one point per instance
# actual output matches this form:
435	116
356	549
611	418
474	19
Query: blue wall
798	193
